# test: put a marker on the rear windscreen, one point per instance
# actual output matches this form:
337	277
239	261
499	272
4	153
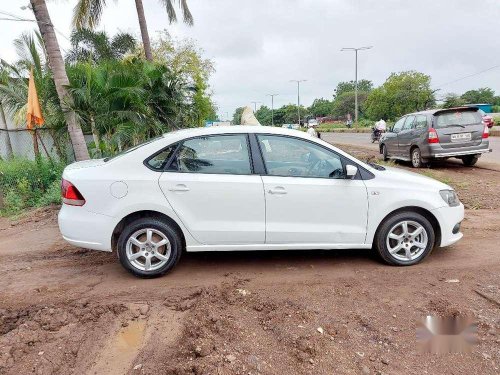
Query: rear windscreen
462	118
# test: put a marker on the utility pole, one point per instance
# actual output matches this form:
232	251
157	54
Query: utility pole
356	77
255	105
298	94
272	107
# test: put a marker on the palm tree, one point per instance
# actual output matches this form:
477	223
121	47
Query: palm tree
96	46
56	63
87	14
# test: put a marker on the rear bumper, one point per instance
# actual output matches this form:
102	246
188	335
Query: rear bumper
85	229
437	151
448	218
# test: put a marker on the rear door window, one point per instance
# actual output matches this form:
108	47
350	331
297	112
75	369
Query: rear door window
421	122
218	154
461	118
409	123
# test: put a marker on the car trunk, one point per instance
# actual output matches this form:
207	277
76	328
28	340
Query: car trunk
457	128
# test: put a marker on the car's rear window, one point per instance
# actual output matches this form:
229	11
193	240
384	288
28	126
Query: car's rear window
462	118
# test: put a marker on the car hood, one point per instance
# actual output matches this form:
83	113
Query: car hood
403	177
85	164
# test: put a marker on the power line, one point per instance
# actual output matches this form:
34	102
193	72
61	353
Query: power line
16	18
468	76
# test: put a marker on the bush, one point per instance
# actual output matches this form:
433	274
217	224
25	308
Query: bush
29	183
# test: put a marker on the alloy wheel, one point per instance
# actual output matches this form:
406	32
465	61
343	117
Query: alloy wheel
148	249
407	240
415	158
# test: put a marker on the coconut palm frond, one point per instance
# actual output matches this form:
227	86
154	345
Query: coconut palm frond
169	7
186	13
87	13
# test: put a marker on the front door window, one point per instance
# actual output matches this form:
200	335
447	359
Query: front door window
293	157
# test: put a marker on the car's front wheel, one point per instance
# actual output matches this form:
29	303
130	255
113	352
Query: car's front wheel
149	247
405	239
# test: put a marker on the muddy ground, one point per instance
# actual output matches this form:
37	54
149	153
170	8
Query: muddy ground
65	310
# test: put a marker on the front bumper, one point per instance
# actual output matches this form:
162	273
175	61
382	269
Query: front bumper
85	229
448	218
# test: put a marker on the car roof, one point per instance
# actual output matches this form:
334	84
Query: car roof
442	110
234	129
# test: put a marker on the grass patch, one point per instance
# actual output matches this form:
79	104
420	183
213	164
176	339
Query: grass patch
444	179
29	183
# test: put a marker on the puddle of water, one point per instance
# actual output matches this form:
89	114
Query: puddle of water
130	337
118	354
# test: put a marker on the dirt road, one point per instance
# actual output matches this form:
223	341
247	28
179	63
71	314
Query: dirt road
65	310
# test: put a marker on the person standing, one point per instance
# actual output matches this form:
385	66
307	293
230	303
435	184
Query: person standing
312	132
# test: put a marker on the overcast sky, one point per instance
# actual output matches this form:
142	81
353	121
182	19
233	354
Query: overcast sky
258	46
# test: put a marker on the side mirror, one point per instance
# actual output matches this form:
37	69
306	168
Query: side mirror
351	171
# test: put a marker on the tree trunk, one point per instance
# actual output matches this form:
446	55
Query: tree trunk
61	80
144	30
8	144
95	135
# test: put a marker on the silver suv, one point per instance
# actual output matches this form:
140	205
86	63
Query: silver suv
437	134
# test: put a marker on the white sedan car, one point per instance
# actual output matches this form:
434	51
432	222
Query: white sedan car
250	188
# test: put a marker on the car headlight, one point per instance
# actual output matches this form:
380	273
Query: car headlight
450	197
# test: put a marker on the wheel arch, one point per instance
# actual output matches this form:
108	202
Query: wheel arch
144	214
413	147
422	211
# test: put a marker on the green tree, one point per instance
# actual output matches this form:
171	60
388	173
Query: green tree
186	61
453	100
237	115
96	46
14	88
321	108
345	103
264	115
401	93
481	95
364	85
87	14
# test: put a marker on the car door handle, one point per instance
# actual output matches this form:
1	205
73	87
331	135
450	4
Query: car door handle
180	187
277	190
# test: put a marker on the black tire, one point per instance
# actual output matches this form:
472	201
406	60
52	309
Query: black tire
385	156
161	226
416	158
380	243
470	160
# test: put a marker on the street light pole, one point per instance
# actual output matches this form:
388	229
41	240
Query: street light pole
356	77
272	107
298	94
255	105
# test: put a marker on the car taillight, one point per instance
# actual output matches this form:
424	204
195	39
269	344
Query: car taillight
70	194
433	136
486	132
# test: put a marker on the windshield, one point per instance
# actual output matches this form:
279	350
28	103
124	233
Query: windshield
461	118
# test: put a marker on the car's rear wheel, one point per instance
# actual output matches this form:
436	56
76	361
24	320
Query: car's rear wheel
416	158
385	156
149	247
405	239
470	160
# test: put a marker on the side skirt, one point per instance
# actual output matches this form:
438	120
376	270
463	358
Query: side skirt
312	246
